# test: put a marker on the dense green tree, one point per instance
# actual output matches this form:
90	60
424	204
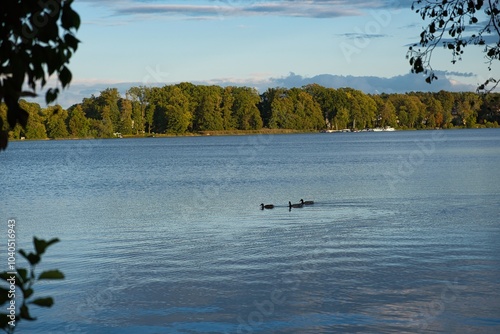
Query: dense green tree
265	105
90	107
170	109
467	106
281	108
108	106
35	129
447	101
410	110
178	115
78	124
325	97
354	104
388	115
207	114
245	111
490	109
102	128
342	119
307	111
369	109
228	120
126	122
139	104
56	122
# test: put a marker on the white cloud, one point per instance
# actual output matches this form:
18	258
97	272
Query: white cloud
230	8
261	81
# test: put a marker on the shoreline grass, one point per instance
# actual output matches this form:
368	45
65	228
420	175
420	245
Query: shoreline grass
263	131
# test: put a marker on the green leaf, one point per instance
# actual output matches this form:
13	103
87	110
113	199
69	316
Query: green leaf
65	76
45	302
40	245
52	241
25	313
72	41
28	293
32	258
23	274
4	275
70	18
4	321
51	95
51	274
4	295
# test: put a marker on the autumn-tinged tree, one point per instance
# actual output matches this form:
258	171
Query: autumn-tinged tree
447	100
434	111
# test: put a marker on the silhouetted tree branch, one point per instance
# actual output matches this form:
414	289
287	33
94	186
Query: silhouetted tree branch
37	39
455	24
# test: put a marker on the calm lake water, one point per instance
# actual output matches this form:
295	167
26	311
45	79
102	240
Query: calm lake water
165	235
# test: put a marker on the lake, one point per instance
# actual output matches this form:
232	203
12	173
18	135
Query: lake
166	235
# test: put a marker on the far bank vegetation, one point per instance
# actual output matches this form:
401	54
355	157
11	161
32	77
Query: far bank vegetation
185	109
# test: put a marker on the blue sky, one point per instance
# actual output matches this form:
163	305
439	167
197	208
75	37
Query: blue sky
261	43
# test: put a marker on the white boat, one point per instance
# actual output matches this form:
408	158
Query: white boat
387	128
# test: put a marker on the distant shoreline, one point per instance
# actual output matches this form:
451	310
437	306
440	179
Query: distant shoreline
233	133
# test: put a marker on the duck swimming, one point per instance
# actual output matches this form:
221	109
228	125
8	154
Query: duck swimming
266	206
298	205
306	202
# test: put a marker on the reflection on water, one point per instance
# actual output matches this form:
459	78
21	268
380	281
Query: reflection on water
167	236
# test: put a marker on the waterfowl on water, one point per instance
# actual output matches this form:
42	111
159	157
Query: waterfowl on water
266	206
298	205
306	202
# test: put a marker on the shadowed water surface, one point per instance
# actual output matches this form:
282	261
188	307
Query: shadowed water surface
165	235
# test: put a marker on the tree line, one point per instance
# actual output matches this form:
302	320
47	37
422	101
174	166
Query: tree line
187	108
